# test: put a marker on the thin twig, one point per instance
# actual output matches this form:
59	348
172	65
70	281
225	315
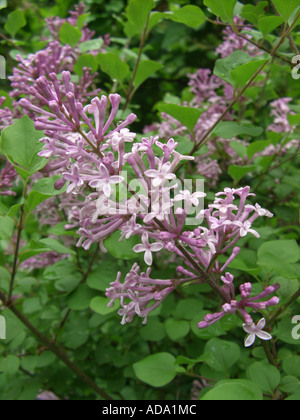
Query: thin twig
17	246
57	350
131	90
12	43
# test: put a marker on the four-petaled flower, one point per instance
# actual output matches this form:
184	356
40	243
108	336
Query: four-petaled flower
159	177
245	228
189	198
256	330
105	181
259	210
124	136
148	248
74	178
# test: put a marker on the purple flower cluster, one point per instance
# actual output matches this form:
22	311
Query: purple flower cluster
53	59
45	259
228	220
6	114
139	294
246	301
8	176
115	183
232	42
95	155
54	25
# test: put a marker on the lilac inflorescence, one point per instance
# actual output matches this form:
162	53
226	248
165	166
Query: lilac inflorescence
139	294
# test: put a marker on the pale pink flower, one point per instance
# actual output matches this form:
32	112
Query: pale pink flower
256	330
148	248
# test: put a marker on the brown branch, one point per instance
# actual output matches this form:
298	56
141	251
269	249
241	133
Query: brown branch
57	350
131	89
13	44
17	246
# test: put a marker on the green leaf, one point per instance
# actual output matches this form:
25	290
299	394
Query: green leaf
234	390
156	370
294	119
10	365
191	16
290	384
246	262
56	246
238	172
70	35
121	250
99	305
279	265
13	211
86	60
3	209
188	309
112	65
137	13
145	70
291	366
155	18
101	278
20	143
186	115
284	331
7	227
223	9
287	287
224	66
239	148
45	359
244	73
154	330
285	250
14	326
76	333
257	147
267	24
41	191
253	13
91	45
42	246
68	283
80	299
286	8
281	257
221	354
176	329
82	20
32	305
265	375
15	21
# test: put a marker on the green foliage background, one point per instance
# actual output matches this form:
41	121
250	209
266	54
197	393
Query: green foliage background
163	359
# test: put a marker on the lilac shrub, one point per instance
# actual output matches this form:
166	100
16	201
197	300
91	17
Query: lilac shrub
94	156
188	201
